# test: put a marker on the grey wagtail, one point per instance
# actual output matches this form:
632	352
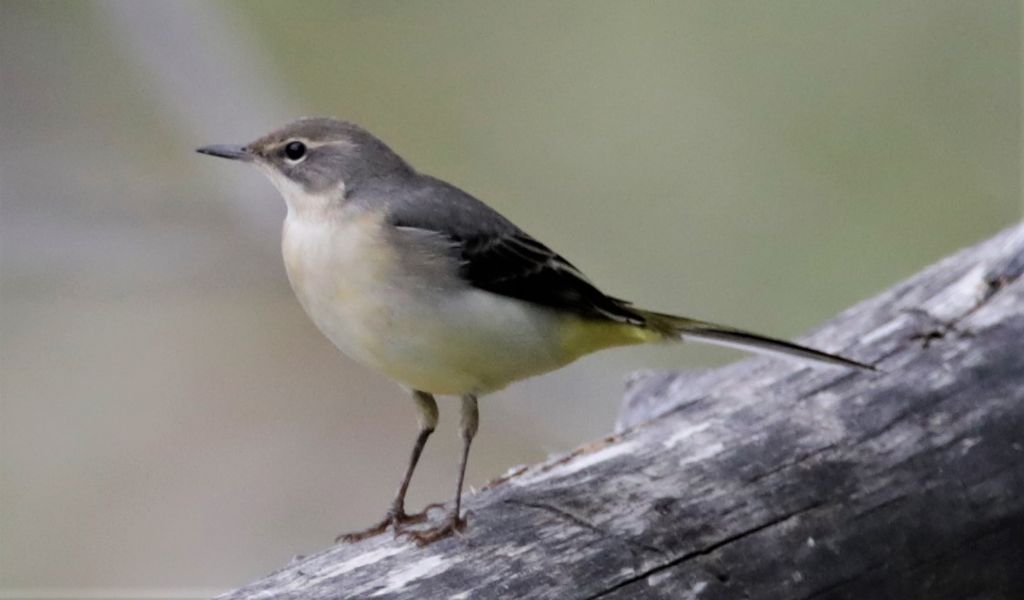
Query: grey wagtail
416	278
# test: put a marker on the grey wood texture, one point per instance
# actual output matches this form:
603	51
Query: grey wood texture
765	479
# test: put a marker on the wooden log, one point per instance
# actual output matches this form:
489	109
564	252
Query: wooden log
765	479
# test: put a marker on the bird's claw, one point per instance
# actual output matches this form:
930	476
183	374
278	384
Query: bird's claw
424	537
396	518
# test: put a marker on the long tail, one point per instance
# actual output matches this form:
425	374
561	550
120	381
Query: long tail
673	327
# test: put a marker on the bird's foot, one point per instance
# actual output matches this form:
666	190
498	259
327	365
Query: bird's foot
424	537
396	518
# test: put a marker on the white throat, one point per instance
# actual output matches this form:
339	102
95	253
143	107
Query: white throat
297	199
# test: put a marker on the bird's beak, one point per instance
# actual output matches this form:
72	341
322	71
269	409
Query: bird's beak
227	151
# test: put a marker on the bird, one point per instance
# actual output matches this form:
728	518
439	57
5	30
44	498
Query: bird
414	277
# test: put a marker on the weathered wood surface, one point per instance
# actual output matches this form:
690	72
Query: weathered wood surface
766	479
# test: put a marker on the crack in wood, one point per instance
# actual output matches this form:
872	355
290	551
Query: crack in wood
939	329
996	279
583	523
803	459
675	562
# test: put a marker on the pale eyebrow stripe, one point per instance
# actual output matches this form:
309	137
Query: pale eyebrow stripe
310	144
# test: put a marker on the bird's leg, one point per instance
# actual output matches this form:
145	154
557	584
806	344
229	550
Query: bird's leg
396	515
454	522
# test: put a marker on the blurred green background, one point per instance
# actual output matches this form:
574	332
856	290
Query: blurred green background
172	424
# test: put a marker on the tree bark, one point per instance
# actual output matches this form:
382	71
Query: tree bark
766	478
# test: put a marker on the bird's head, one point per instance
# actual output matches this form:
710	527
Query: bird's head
317	161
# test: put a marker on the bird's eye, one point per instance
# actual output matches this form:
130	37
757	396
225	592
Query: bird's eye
295	150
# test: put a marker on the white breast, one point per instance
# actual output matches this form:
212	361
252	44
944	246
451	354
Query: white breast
390	300
338	269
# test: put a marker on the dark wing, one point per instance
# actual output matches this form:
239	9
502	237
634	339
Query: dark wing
499	257
519	266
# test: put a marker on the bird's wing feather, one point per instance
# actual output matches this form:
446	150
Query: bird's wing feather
498	257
